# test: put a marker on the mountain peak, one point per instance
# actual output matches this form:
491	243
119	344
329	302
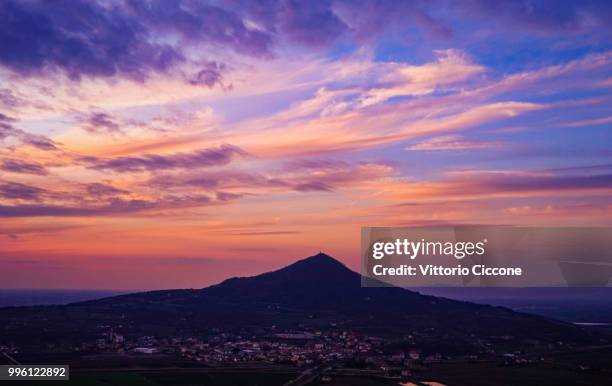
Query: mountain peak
320	261
306	278
321	257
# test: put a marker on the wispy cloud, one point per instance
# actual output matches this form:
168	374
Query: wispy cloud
451	143
200	158
24	167
183	126
99	122
8	130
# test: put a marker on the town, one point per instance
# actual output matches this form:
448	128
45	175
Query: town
336	351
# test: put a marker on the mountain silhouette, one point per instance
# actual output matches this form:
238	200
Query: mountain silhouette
315	293
319	278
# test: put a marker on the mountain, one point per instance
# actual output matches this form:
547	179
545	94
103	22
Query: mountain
318	292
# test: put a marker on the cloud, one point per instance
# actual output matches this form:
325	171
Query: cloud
43	210
131	39
38	141
134	39
37	36
382	124
151	162
262	233
16	190
8	100
585	169
489	184
113	206
366	103
312	23
209	75
98	189
364	18
306	175
226	179
450	68
200	22
541	183
53	227
226	196
315	164
451	143
544	16
313	186
340	176
99	122
5	124
24	167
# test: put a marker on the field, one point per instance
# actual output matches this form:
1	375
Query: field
152	378
524	375
452	374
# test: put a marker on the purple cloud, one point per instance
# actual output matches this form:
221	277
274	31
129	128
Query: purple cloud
151	162
100	122
480	184
98	189
228	179
226	196
114	206
7	99
305	175
24	167
88	38
79	38
202	22
106	39
313	186
364	18
210	75
316	164
5	120
117	206
311	23
6	127
524	183
15	190
38	141
543	15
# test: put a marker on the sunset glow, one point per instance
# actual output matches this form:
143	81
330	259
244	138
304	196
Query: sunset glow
188	143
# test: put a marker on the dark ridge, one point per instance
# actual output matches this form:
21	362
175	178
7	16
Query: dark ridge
316	292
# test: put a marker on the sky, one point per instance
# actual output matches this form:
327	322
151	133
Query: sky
165	144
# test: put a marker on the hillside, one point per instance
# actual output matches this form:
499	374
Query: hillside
314	293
